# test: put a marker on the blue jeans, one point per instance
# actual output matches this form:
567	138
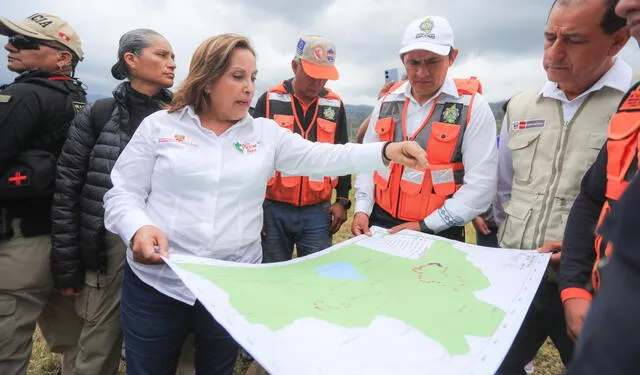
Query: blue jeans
285	225
155	327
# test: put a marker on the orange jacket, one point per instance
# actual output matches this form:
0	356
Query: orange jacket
302	190
622	165
412	195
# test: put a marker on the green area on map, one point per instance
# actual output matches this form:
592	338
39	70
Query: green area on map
353	285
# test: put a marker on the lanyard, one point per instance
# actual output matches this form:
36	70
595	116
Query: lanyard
295	116
426	120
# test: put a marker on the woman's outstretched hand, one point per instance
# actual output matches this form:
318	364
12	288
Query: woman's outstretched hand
407	153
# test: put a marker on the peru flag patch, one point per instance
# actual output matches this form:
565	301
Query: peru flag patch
529	124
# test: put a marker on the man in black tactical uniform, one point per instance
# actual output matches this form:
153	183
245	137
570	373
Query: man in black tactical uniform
35	112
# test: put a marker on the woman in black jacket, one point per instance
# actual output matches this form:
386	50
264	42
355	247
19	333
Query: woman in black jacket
87	260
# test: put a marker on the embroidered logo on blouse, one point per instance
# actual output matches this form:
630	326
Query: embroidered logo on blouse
246	147
177	138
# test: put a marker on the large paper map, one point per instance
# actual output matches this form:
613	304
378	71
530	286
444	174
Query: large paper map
407	303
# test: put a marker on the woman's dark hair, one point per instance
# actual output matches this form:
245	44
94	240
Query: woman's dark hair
133	41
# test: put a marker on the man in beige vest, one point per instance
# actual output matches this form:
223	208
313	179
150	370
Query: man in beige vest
549	138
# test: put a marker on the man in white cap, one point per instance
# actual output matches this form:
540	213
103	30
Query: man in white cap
452	121
549	138
35	112
298	209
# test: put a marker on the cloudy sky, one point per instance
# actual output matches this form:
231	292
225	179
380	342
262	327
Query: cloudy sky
500	41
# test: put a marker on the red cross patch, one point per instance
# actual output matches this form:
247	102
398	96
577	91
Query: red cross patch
19	179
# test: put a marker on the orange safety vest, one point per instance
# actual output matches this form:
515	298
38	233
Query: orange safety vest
302	190
622	165
409	194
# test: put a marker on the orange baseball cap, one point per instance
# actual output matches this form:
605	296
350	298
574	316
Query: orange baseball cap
318	56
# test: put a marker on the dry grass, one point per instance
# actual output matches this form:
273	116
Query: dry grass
45	363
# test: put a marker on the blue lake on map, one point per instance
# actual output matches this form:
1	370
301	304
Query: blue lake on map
339	270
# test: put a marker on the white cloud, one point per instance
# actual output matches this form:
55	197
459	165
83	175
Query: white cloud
502	48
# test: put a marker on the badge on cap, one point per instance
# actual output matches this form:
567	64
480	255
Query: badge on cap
5	98
528	124
300	47
318	53
64	36
427	25
331	55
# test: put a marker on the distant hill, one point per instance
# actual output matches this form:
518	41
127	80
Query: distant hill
498	113
357	113
91	97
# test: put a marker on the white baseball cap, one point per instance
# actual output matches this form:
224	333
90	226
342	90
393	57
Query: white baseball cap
430	33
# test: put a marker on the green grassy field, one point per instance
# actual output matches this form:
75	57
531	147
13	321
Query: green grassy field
44	362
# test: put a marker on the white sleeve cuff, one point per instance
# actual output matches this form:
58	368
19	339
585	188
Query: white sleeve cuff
369	156
435	222
364	205
130	224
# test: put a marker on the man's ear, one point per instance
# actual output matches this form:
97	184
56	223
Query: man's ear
453	55
620	39
65	57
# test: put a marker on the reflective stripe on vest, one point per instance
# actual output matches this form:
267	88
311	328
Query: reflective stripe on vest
302	190
409	194
622	165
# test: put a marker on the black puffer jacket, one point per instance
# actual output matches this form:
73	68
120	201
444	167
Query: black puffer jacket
83	178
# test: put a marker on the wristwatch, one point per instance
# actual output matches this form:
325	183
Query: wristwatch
424	228
344	202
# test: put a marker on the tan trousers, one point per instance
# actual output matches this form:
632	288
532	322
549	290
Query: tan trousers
27	296
98	306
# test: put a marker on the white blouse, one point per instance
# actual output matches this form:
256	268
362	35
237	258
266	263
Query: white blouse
205	191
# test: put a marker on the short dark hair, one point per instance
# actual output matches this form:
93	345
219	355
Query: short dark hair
610	22
61	47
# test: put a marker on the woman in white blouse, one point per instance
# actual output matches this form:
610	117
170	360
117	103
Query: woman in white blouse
192	181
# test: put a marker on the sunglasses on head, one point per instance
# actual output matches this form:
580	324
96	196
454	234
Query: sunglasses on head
24	42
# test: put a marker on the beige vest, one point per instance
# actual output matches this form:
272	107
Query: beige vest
549	160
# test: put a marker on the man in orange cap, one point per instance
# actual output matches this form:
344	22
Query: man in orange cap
298	209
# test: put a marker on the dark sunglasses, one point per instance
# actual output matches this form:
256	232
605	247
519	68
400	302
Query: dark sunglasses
24	42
